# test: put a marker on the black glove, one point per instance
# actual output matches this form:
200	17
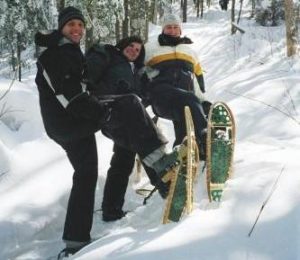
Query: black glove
123	87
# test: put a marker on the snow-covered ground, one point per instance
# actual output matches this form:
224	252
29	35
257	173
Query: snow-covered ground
251	73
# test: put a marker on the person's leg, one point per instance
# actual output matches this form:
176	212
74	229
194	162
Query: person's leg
180	132
83	157
169	103
131	127
121	166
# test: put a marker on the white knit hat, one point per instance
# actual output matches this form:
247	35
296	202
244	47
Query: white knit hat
171	19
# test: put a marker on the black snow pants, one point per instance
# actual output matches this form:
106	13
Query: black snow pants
130	126
121	166
169	102
82	154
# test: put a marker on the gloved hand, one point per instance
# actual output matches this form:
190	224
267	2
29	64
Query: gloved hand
123	87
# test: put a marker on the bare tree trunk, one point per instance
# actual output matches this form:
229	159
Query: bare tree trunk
19	49
201	8
253	5
233	29
138	15
153	12
291	28
117	28
208	2
184	11
89	34
13	59
60	4
125	24
240	11
147	18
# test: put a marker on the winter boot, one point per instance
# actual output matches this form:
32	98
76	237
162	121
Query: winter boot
169	161
72	247
112	214
163	188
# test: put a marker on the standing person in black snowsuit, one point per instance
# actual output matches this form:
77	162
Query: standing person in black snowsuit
113	70
71	115
176	80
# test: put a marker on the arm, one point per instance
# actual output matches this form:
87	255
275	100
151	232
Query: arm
97	61
64	79
200	80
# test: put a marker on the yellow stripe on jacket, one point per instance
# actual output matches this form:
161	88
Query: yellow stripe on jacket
156	54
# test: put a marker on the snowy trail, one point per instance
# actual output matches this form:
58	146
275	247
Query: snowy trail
250	73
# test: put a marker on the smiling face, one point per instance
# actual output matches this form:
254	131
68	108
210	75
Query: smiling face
73	30
173	30
132	51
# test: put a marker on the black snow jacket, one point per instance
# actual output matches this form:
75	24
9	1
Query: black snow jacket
68	110
110	73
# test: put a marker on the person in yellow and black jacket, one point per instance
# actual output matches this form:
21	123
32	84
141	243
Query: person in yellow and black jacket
175	79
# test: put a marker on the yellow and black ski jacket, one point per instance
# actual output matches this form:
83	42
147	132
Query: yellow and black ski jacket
176	62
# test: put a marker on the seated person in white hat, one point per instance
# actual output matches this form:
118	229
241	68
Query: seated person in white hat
175	80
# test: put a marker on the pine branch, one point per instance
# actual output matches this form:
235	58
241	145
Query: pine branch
266	201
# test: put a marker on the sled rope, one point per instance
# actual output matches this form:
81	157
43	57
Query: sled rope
149	196
266	201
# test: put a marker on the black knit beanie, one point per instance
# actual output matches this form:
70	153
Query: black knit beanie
68	14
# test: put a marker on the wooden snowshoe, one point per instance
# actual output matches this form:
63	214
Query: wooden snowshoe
220	149
180	197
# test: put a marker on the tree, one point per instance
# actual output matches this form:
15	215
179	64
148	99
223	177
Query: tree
233	29
184	11
126	19
152	11
20	20
60	4
291	28
138	15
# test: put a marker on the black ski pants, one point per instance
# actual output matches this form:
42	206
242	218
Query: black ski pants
130	126
82	154
121	166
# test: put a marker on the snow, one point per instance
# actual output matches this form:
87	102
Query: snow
248	71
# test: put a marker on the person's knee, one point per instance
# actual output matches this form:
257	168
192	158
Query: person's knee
131	98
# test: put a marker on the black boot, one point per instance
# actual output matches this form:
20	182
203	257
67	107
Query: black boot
163	188
167	162
112	214
72	247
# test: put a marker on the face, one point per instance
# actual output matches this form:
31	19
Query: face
73	30
173	30
132	51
